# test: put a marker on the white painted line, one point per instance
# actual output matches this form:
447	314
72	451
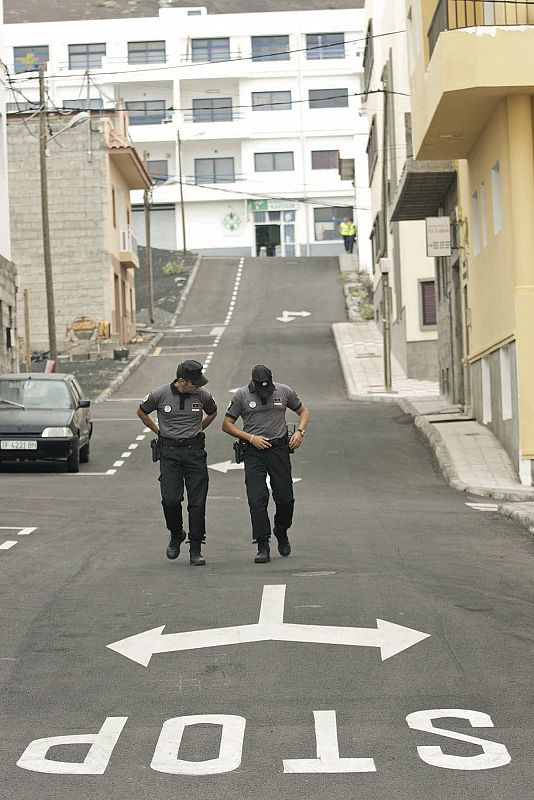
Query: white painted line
118	463
26	531
89	474
483	506
21	531
7	545
126	454
116	419
146	430
217	331
140	438
133	446
111	472
389	637
122	400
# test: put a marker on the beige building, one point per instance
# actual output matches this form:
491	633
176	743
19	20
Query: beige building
92	167
472	101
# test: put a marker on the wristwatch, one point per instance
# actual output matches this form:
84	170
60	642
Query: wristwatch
301	431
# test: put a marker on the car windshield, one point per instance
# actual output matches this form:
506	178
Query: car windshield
34	394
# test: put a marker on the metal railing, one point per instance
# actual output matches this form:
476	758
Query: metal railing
455	14
129	242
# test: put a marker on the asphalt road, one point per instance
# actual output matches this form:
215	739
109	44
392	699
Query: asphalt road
378	535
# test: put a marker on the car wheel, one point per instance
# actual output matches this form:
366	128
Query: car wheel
84	454
73	461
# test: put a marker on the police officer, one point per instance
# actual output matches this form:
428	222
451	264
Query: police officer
184	410
347	230
266	444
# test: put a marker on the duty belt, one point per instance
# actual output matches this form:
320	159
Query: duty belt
200	438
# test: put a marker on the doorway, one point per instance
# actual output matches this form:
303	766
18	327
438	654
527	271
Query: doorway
268	237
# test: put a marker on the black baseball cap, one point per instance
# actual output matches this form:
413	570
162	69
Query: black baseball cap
262	380
191	371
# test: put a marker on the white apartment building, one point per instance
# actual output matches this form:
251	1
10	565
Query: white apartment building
8	348
263	104
398	233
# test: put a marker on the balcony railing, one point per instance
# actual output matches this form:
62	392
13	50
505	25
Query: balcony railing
129	242
455	14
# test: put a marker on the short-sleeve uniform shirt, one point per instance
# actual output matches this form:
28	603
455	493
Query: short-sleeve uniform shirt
261	419
179	415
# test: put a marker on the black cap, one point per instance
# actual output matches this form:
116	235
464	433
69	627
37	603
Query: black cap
262	380
191	371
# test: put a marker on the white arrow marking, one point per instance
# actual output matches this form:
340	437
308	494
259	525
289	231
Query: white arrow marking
224	466
389	637
483	506
289	316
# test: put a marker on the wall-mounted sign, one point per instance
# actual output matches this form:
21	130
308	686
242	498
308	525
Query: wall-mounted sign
438	237
272	205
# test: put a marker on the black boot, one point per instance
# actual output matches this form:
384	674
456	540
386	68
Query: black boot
195	556
284	547
264	552
173	548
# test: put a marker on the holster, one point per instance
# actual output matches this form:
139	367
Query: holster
239	450
155	446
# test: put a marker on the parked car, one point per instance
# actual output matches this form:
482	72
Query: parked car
44	417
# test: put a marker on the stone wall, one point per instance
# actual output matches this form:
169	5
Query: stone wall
8	336
77	210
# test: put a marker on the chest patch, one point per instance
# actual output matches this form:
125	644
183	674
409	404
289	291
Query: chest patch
196	406
277	401
252	404
167	409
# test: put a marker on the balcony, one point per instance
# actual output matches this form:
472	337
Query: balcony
456	14
421	189
129	250
481	53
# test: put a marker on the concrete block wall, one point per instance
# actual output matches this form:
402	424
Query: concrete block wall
78	228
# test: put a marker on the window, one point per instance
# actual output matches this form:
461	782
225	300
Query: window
372	148
271	101
377	238
274	162
270	48
146	112
325	45
483	226
325	159
158	170
27	59
496	194
95	105
475	223
212	109
146	52
506	382
328	98
368	57
210	49
327	221
86	56
22	105
214	170
428	303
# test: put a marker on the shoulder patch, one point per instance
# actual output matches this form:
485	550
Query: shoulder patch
146	399
229	406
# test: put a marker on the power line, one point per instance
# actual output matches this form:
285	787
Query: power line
228	60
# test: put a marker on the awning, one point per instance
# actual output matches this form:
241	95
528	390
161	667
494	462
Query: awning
422	189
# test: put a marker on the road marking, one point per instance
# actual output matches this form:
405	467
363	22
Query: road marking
133	446
217	331
389	637
140	438
7	545
289	316
157	351
118	463
328	759
126	454
21	531
483	506
110	472
225	466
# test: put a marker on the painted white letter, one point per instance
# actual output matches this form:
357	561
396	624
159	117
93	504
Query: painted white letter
328	759
95	763
231	748
493	755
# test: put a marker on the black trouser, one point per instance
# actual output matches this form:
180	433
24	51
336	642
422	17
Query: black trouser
274	462
349	243
179	465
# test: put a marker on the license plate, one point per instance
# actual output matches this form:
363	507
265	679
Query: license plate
18	445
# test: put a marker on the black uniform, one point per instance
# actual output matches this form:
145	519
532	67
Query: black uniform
182	455
265	416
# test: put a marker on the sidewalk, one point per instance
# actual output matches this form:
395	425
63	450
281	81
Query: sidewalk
469	455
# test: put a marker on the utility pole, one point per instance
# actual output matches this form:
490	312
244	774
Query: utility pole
386	292
27	346
181	193
50	309
89	130
150	286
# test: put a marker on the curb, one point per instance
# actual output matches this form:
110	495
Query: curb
142	354
519	513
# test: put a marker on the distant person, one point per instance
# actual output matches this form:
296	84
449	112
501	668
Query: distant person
348	231
184	409
266	446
